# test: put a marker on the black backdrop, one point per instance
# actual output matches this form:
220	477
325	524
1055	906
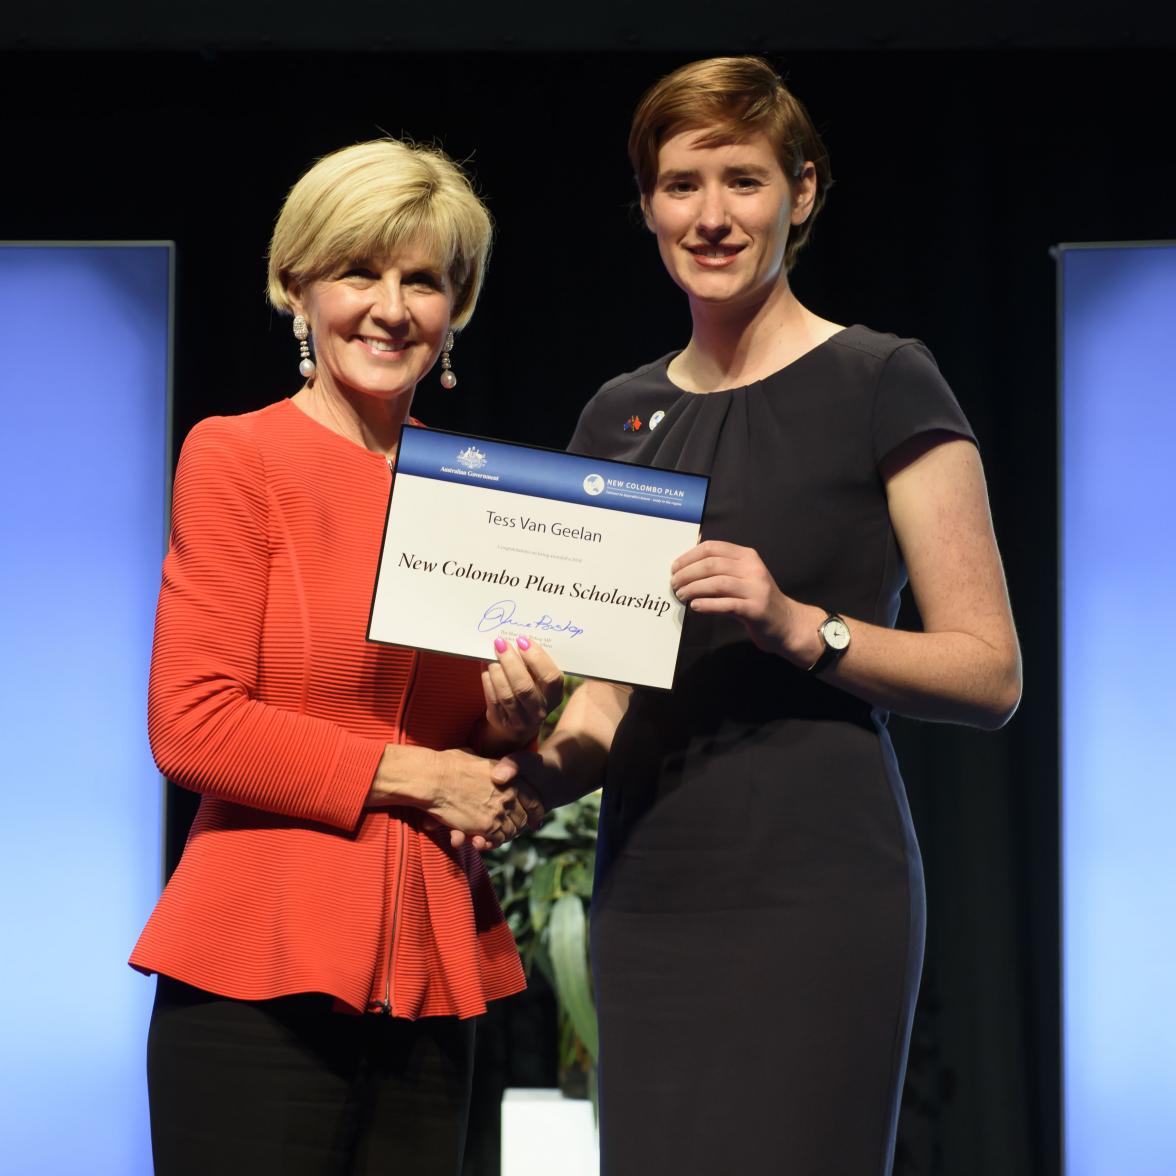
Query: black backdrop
956	171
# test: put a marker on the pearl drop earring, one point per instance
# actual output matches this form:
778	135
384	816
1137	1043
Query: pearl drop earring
302	334
448	379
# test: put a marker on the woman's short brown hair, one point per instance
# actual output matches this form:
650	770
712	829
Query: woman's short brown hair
362	202
736	97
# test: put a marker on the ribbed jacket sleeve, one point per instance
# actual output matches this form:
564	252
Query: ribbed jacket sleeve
208	730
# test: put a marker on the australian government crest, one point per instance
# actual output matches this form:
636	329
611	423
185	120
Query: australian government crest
472	458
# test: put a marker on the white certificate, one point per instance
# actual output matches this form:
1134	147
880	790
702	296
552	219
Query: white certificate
486	539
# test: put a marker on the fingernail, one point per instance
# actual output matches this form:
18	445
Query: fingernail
499	644
522	643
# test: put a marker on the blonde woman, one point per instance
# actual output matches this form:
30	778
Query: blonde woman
330	930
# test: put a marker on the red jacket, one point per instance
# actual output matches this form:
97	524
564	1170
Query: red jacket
267	698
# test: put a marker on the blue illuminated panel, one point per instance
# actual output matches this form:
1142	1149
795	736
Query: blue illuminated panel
84	368
1118	331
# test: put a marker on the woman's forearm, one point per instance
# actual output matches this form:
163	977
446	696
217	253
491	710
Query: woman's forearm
575	755
941	676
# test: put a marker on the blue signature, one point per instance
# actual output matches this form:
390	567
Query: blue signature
502	612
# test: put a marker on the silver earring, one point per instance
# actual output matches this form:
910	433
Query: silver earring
448	379
302	334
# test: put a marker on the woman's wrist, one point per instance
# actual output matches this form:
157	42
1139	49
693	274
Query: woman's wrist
406	775
493	742
802	644
572	766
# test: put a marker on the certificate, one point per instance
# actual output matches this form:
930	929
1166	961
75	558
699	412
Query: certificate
487	539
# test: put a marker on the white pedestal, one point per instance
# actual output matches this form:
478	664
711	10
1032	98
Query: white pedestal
543	1132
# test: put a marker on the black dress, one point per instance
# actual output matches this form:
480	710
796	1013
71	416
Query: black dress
757	923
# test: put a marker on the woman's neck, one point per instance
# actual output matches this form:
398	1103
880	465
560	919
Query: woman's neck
733	345
368	421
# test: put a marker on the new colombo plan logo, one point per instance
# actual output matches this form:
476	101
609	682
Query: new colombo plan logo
472	458
593	484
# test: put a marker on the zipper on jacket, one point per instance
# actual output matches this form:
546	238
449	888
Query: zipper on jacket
385	1006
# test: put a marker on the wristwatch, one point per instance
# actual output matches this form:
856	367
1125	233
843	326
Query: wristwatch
834	635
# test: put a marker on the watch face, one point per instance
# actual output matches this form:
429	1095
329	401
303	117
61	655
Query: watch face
836	633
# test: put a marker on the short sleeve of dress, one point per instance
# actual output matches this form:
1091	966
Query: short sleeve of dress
912	397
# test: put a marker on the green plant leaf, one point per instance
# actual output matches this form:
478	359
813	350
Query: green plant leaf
577	876
568	946
541	960
555	828
543	878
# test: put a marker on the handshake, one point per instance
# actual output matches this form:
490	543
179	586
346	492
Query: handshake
489	794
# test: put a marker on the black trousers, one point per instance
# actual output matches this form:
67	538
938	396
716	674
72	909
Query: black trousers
290	1087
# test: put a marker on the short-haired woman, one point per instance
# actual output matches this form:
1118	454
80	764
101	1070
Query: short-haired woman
330	929
757	923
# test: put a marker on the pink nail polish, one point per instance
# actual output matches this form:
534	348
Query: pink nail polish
499	644
522	643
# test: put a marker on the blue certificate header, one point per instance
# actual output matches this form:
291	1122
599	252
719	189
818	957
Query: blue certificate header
547	473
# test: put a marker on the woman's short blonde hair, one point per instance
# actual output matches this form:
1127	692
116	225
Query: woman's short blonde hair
736	98
362	202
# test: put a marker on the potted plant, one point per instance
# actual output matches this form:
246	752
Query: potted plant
544	884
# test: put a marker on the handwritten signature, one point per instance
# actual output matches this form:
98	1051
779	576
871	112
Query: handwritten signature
502	612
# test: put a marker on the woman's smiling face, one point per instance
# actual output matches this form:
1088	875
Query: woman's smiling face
379	324
722	215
